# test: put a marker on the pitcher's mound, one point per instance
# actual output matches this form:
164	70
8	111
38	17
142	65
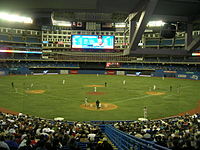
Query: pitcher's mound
96	93
104	106
155	93
35	91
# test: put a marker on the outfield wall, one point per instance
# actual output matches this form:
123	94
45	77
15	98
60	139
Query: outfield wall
14	71
177	74
156	73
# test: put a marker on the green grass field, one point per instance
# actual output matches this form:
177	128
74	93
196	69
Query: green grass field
64	100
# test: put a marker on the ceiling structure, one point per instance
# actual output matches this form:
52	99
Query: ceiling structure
43	8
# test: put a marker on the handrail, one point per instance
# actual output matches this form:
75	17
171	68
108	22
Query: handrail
125	141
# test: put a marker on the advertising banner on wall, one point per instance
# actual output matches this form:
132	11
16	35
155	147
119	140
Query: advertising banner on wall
2	73
110	72
64	71
120	72
177	74
188	75
73	71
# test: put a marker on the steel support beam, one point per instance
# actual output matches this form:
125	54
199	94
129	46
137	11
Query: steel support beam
141	25
188	35
194	44
132	27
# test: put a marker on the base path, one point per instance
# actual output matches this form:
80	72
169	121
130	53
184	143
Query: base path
155	93
193	111
35	91
95	93
104	106
4	110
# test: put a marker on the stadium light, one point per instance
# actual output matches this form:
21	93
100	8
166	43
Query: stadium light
155	23
15	18
61	23
120	25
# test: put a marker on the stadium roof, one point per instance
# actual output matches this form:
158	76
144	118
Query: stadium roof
44	7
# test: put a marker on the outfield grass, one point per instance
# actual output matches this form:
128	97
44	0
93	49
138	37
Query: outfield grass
64	100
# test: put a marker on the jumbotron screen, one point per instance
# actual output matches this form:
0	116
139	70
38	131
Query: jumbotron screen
112	65
93	41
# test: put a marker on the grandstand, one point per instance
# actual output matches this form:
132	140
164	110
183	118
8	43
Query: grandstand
59	58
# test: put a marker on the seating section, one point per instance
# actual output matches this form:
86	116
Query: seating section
33	40
23	132
19	132
160	66
181	132
17	39
36	64
4	37
126	141
156	42
20	56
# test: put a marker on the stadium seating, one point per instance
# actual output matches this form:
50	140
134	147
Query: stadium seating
4	37
175	133
17	39
33	40
31	133
23	131
161	66
126	141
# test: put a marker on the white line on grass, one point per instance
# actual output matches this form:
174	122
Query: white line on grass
168	96
20	93
185	87
133	98
175	94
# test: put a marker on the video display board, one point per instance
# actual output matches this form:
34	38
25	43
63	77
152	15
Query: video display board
93	41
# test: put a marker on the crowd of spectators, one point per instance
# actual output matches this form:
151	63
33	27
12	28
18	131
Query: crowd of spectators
166	67
21	64
23	132
175	133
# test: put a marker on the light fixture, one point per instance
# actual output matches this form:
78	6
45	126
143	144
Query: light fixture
120	25
158	23
61	23
15	18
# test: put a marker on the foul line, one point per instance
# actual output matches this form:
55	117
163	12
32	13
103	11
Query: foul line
185	87
133	98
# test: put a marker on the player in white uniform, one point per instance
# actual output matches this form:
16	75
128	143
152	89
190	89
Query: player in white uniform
124	82
95	89
154	87
63	82
86	101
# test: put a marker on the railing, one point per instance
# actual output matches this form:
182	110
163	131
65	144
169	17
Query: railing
124	141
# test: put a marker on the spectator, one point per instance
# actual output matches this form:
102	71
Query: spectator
3	145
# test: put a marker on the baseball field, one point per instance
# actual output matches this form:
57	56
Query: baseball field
121	98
